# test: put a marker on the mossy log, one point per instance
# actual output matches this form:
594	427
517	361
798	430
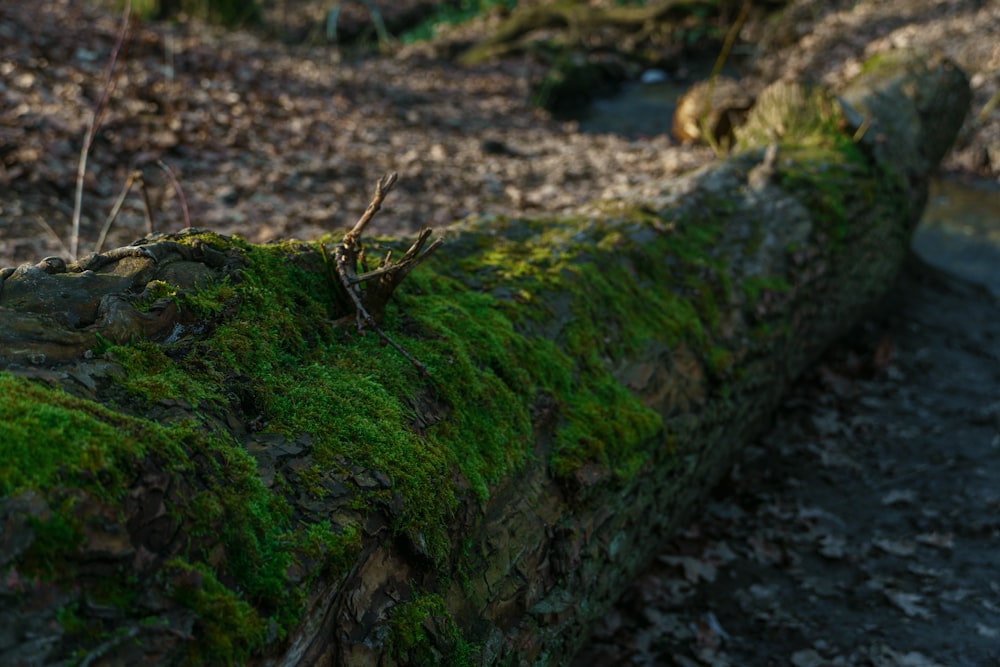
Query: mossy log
582	21
226	472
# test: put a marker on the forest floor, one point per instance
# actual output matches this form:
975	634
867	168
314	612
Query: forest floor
862	530
271	141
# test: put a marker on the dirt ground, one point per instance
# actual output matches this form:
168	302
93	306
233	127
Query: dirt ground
861	531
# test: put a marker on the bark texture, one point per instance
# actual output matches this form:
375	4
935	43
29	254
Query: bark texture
269	489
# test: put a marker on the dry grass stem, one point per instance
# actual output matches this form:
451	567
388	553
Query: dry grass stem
110	82
113	215
177	188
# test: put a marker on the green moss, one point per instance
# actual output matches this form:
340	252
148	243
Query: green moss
827	180
806	117
755	286
615	308
208	302
229	629
155	291
48	437
606	426
335	550
151	374
99	451
486	370
55	538
424	634
878	61
69	618
719	361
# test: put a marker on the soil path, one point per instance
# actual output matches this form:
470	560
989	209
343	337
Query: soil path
863	529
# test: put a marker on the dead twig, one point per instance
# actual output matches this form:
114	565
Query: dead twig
177	188
110	82
113	215
382	188
147	208
369	291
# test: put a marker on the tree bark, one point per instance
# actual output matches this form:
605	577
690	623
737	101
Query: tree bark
265	487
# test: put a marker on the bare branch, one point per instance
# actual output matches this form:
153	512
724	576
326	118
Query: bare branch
382	188
113	215
47	227
369	300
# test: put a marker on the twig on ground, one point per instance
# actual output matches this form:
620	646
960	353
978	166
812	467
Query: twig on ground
110	82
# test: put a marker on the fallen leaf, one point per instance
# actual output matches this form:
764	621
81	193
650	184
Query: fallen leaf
938	540
896	547
899	497
909	603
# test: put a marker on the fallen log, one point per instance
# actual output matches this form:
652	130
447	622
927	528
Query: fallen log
203	460
615	27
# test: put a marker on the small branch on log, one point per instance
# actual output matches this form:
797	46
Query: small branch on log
370	291
382	188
